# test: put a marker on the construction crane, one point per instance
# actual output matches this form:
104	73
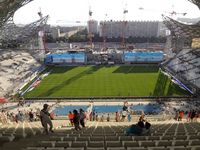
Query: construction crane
90	35
103	24
40	13
172	13
70	22
41	33
124	25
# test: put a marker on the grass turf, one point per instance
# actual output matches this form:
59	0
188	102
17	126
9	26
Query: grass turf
96	81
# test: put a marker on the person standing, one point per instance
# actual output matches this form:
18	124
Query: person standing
117	116
129	117
31	116
71	117
193	115
76	120
108	118
97	117
125	107
102	118
82	117
189	116
94	115
45	119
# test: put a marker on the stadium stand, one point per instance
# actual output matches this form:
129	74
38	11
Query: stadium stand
167	134
185	65
17	68
15	131
186	62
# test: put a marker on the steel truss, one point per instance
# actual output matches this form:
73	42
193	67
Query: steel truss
13	36
9	7
182	33
196	2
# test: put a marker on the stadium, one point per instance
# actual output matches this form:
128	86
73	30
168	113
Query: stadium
109	90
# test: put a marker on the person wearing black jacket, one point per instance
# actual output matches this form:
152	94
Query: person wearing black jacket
82	117
76	120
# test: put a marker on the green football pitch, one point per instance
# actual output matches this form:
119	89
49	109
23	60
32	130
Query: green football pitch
103	81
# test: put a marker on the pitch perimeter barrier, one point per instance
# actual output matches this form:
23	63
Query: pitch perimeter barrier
112	99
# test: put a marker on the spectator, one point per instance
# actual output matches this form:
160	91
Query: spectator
76	120
82	118
146	130
189	116
142	127
93	115
90	115
97	117
12	115
102	118
124	114
196	116
193	115
19	116
125	107
71	117
16	118
177	116
141	121
108	118
45	119
117	116
31	116
181	115
129	117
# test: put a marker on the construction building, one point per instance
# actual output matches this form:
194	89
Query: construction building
92	26
114	29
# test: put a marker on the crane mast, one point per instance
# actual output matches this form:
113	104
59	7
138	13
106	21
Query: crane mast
90	35
124	26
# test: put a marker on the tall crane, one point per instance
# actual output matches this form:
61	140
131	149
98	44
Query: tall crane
103	24
171	13
41	34
90	35
124	25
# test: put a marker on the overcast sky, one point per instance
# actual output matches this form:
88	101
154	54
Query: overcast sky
70	11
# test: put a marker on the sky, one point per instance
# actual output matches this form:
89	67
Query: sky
76	12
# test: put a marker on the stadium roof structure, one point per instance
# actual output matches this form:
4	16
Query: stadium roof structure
12	35
9	7
179	29
196	2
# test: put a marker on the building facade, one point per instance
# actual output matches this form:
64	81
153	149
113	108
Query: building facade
114	29
92	26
